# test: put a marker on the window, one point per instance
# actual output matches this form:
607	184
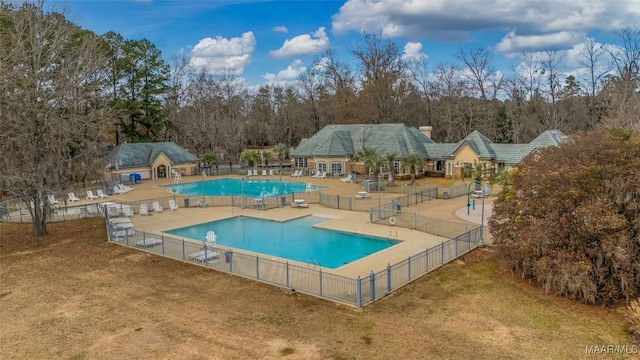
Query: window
322	167
336	168
301	162
396	167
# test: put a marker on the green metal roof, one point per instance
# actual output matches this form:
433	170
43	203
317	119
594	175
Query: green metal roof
143	154
347	140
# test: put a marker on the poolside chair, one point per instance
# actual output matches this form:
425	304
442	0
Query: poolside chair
323	175
126	211
90	195
249	172
299	203
362	195
125	188
309	188
316	175
101	194
21	210
157	207
73	197
173	205
211	238
255	172
52	200
144	210
204	255
177	177
264	172
117	190
148	242
348	179
270	172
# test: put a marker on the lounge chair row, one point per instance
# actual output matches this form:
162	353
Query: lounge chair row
254	172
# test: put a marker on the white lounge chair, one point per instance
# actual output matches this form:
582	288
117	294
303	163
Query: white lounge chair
347	179
126	210
309	188
204	255
249	172
362	195
144	210
173	205
90	195
299	203
270	172
101	194
264	172
73	197
117	190
157	207
148	242
255	172
316	175
323	175
177	177
125	188
52	200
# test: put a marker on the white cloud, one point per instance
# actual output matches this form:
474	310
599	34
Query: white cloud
303	45
447	20
513	43
413	52
286	76
281	28
221	55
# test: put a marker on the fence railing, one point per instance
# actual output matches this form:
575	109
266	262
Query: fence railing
307	279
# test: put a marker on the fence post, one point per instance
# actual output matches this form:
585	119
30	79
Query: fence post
442	253
183	254
108	225
456	239
338	201
358	292
388	277
415	220
320	272
162	238
258	267
286	272
409	267
372	286
229	257
427	259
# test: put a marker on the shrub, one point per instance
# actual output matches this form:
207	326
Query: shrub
571	219
633	320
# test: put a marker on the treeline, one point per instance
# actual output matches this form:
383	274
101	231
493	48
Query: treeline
153	100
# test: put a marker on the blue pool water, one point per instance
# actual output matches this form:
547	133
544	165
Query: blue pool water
252	188
295	239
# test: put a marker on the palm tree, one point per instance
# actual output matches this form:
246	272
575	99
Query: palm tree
369	159
413	162
267	157
390	158
210	159
251	157
282	151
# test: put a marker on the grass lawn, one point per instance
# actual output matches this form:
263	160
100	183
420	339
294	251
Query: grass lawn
76	296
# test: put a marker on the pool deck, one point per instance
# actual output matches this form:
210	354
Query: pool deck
357	222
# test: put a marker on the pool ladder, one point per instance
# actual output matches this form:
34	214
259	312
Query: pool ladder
314	262
390	237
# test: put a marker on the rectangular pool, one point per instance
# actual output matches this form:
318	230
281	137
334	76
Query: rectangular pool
296	239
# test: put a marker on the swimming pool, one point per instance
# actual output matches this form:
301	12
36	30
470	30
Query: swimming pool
253	188
294	239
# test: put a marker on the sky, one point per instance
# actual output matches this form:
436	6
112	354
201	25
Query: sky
266	41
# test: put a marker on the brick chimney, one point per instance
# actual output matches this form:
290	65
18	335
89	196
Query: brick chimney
426	130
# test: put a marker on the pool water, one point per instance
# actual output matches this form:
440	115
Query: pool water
295	239
252	188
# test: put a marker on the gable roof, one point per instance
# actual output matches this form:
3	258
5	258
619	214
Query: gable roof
143	154
347	140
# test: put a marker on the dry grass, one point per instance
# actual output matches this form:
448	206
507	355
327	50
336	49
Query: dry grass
79	297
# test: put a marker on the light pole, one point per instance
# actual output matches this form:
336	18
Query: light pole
469	205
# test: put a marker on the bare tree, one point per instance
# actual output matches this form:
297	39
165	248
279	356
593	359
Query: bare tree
481	75
341	81
54	117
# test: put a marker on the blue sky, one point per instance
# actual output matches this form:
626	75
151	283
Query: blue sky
272	41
